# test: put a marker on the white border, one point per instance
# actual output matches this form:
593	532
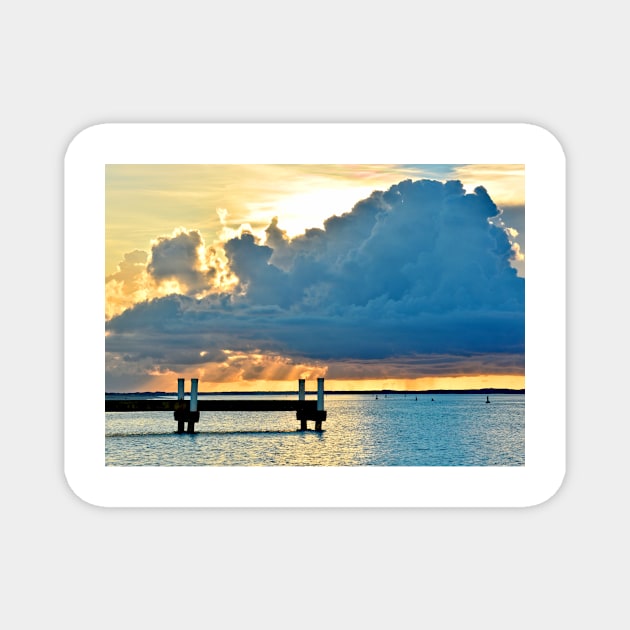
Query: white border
317	143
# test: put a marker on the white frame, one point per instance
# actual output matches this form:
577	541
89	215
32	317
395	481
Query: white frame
316	143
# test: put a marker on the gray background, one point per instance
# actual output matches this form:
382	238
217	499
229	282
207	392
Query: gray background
68	65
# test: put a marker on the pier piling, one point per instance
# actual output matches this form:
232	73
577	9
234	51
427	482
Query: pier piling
180	406
186	411
320	403
193	414
302	396
318	415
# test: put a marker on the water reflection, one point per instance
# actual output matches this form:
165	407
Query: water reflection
452	430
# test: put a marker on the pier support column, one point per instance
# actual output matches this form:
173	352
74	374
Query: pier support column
180	407
193	415
320	394
302	396
320	403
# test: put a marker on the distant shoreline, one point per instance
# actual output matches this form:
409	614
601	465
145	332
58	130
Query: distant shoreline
345	392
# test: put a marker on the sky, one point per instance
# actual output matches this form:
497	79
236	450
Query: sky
377	276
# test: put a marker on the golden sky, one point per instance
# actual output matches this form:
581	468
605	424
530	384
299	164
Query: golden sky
167	227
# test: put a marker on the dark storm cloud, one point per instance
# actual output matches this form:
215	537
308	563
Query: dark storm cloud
412	272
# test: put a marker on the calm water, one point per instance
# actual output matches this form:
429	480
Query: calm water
454	430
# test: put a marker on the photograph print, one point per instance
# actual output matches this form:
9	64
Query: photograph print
315	315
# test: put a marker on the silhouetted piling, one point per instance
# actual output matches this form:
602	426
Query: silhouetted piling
318	415
186	411
181	407
193	414
320	403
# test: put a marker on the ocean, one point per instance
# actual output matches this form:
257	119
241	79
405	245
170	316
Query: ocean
360	430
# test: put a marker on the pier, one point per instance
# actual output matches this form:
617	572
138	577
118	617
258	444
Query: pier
188	411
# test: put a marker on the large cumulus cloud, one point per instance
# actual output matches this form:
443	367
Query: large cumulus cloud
416	277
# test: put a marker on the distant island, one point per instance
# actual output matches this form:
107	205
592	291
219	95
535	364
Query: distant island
384	392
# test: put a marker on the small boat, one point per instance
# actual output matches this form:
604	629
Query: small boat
487	399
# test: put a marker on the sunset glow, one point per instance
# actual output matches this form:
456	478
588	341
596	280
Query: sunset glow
249	277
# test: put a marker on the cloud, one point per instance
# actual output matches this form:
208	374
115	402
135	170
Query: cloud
127	285
128	269
180	263
415	277
181	258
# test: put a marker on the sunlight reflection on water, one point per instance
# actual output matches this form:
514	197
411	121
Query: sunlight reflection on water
453	430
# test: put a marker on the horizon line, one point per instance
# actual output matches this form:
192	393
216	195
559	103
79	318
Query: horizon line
481	390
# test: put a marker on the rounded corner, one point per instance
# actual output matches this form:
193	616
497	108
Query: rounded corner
78	494
548	492
82	137
548	138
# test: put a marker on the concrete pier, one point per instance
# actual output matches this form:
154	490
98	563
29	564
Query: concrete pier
188	411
